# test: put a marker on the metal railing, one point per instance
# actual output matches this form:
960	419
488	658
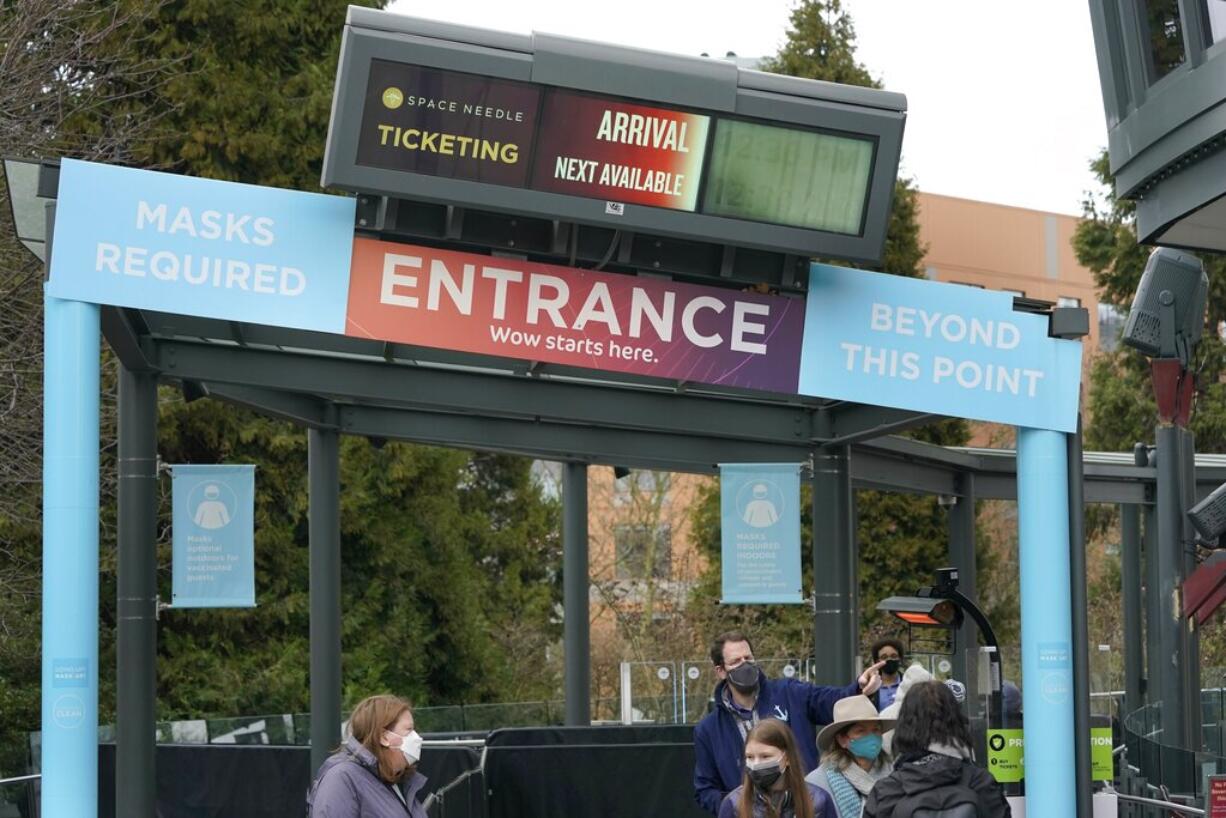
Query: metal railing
1154	802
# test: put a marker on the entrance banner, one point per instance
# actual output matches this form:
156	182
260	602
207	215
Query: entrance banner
760	532
563	315
214	537
933	347
159	241
202	247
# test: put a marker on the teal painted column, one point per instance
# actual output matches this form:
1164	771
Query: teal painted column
71	339
1047	660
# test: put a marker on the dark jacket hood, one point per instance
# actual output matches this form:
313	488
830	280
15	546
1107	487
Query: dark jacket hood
927	772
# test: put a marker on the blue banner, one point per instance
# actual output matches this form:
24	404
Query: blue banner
760	532
214	537
159	241
947	349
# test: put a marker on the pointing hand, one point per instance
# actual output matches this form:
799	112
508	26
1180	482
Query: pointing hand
870	679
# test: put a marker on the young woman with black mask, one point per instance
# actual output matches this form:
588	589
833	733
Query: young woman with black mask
773	785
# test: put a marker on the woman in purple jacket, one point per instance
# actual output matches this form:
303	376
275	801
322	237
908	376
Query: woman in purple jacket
374	773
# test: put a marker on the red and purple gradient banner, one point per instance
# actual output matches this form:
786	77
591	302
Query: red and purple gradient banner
607	149
543	312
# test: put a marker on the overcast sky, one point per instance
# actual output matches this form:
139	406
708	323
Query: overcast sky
1003	97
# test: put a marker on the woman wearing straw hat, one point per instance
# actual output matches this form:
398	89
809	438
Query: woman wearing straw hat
852	758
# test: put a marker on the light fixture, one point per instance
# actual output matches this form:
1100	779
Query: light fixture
1168	311
941	608
31	184
923	610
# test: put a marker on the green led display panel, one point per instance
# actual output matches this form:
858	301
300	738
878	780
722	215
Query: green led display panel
787	176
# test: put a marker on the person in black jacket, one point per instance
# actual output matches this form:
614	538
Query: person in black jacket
933	770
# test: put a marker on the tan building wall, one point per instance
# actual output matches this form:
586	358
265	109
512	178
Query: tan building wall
1005	248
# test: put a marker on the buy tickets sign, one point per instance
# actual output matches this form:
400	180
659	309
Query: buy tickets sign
542	312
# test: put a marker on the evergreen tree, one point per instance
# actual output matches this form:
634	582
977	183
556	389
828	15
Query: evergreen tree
450	560
902	538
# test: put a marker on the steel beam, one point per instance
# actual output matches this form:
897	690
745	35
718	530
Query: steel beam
486	395
323	466
962	556
563	441
125	332
1130	570
834	620
853	422
136	609
1078	599
1177	730
576	635
1154	666
307	411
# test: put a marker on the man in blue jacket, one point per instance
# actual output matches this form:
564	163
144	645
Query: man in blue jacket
743	697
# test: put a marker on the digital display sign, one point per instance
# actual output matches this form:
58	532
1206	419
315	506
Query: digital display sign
788	176
660	146
463	126
620	151
444	123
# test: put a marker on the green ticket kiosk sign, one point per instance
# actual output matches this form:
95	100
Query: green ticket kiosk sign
1006	757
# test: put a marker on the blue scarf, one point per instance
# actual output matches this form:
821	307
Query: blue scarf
847	799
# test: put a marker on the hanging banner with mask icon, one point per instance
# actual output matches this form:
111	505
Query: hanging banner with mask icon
760	533
213	545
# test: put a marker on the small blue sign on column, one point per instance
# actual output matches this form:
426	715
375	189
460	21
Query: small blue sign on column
214	537
760	532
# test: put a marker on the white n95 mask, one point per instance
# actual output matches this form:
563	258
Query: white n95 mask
411	747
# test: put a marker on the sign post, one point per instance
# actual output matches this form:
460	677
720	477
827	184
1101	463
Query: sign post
71	333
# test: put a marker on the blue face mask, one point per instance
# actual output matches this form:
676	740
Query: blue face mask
867	747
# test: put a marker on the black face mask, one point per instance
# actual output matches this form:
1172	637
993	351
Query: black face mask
744	677
765	776
891	667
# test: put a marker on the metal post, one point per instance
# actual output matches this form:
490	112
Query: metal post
136	671
1153	602
71	345
1170	571
1130	570
962	556
1189	637
1043	556
576	632
833	617
1079	600
851	567
323	466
